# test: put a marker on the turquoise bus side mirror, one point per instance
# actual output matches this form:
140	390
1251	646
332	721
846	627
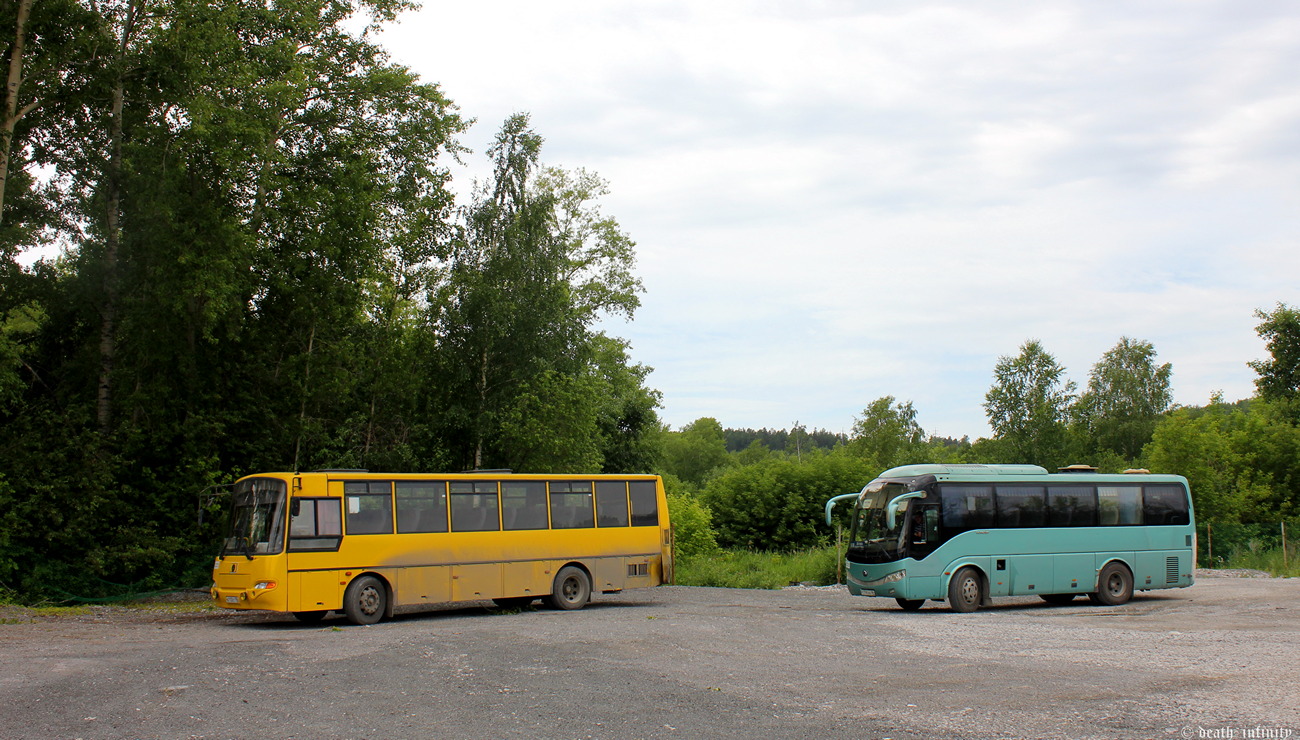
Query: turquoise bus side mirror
896	503
830	504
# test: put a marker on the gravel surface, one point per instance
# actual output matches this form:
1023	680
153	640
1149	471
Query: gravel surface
671	662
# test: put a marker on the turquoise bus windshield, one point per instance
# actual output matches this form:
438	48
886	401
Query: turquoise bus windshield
872	539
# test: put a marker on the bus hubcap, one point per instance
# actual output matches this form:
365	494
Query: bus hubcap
369	601
969	590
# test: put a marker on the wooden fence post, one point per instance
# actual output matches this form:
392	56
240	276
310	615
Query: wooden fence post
1284	559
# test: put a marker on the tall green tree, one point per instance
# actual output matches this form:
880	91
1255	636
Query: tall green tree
1279	376
534	266
53	52
265	271
695	452
627	418
250	194
1240	460
887	434
1126	395
1027	406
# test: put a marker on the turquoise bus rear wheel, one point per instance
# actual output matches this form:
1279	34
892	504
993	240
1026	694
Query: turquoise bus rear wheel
1114	585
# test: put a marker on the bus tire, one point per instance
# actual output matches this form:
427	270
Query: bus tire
572	589
311	617
1058	599
965	591
1114	585
910	605
365	600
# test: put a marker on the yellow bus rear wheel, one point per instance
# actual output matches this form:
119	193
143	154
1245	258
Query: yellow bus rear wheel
572	589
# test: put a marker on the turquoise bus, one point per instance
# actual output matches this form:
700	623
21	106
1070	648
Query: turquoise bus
967	533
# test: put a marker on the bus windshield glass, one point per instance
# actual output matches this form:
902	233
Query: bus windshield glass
257	524
872	540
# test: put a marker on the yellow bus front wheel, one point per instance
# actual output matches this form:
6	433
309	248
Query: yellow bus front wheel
365	600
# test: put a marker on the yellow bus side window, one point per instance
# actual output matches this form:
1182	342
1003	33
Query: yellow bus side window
316	524
474	506
421	506
523	505
611	503
571	505
645	503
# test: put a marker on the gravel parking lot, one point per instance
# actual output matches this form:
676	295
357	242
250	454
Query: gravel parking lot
1217	660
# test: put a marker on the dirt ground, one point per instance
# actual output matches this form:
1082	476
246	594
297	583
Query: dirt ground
1221	659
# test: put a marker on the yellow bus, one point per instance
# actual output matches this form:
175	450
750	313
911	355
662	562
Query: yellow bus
364	543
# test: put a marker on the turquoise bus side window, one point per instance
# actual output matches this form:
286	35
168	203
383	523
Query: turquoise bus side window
1119	505
967	507
1021	506
1071	506
1165	505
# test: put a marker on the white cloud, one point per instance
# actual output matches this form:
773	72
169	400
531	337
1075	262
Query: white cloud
835	202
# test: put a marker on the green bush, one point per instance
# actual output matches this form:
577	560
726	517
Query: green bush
779	505
1269	561
692	527
1220	543
754	569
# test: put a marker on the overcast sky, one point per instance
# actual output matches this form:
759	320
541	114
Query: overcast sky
838	201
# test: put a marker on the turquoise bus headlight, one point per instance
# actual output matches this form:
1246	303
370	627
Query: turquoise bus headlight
894	577
878	583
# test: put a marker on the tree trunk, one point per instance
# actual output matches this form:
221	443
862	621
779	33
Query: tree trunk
12	113
306	391
112	230
482	407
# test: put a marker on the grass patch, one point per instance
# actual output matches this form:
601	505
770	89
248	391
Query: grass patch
173	607
752	569
60	611
1269	561
17	614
